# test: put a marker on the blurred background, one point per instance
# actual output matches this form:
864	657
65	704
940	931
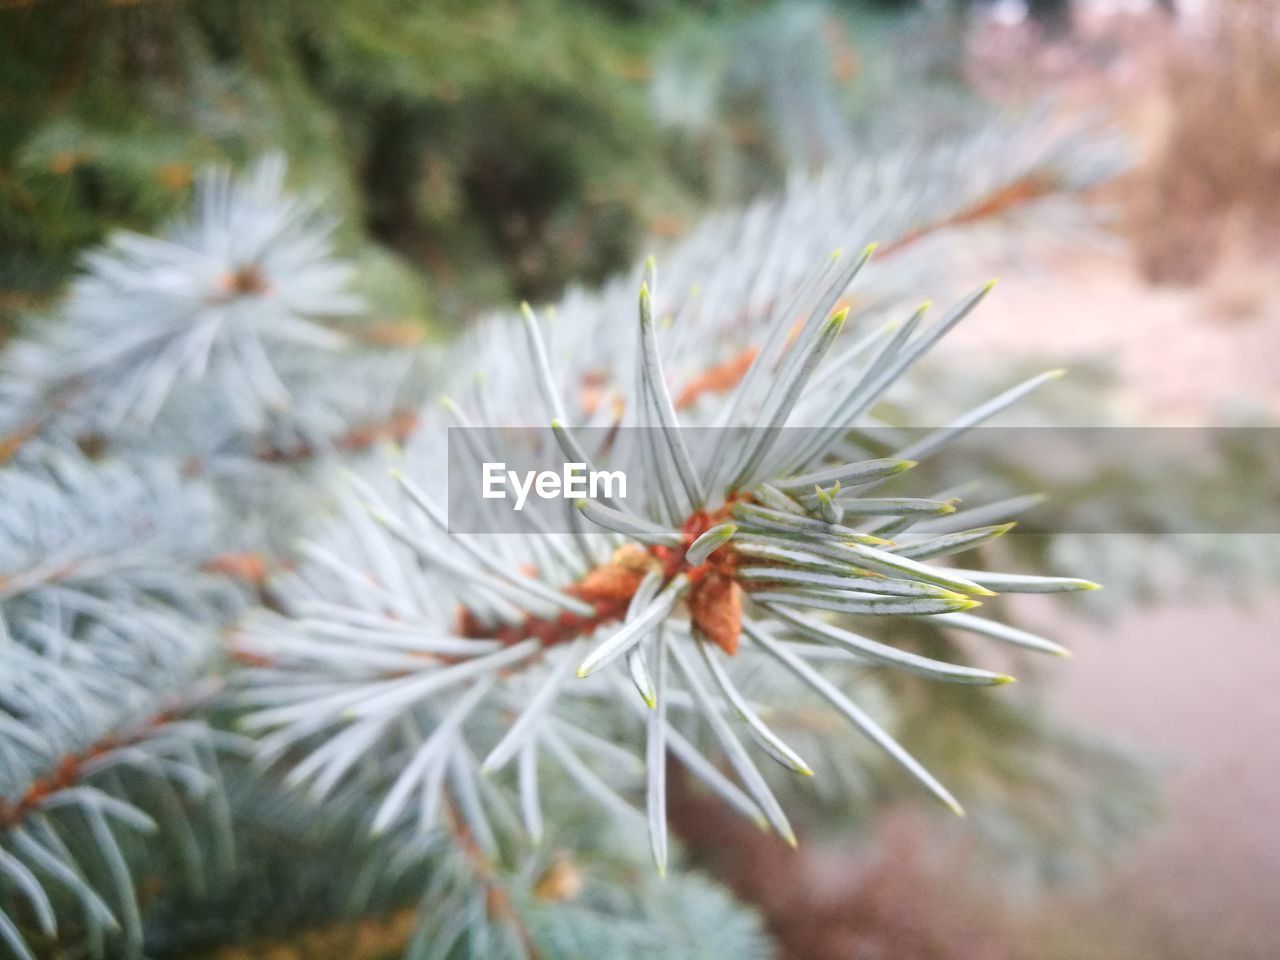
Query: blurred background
485	151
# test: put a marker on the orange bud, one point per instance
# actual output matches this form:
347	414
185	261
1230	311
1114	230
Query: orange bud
715	608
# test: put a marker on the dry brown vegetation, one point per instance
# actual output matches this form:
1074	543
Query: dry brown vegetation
1216	182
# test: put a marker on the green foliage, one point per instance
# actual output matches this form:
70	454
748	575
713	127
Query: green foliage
501	145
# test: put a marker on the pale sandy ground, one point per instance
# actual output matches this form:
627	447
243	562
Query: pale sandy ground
1196	685
1182	356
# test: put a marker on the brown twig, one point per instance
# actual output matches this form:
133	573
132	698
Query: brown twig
70	770
714	599
725	376
497	899
398	426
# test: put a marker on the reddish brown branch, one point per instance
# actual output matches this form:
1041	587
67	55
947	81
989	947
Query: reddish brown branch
497	899
714	599
718	379
398	426
723	377
69	771
53	403
1018	193
13	442
248	567
389	334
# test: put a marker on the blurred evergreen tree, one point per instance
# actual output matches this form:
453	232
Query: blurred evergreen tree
473	138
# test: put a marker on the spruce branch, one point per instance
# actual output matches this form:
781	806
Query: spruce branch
110	626
233	334
511	616
660	592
